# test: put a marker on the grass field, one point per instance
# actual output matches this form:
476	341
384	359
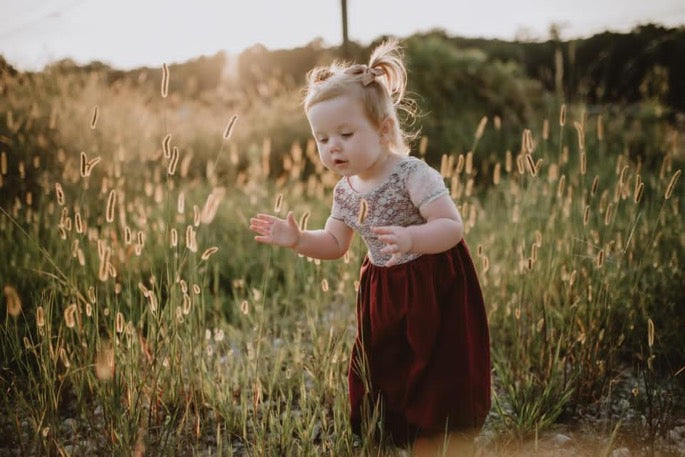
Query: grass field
139	316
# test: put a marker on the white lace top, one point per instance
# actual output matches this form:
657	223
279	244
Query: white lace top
396	201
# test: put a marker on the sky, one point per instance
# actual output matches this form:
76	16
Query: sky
131	33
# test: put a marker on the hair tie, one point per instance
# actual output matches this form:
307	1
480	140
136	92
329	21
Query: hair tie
368	74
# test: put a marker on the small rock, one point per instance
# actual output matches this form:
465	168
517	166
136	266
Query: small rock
560	439
621	452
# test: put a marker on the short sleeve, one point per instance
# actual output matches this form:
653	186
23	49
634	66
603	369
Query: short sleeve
337	208
424	184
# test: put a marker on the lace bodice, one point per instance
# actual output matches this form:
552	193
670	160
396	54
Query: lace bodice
396	201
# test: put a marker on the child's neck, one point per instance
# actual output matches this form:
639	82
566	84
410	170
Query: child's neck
375	174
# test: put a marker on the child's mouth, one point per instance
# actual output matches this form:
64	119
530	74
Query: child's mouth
339	162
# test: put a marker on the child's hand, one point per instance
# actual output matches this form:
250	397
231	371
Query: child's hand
397	241
274	230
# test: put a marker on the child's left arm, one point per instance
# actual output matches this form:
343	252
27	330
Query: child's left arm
443	230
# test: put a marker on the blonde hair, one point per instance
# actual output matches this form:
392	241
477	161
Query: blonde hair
380	86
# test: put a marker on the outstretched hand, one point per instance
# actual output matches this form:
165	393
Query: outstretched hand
397	241
274	230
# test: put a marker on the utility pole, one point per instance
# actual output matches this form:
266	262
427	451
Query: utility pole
345	45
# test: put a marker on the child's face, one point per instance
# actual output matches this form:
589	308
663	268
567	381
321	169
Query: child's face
348	142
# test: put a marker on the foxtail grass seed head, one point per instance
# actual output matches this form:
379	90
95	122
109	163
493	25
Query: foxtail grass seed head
127	235
639	189
60	194
608	214
595	183
209	252
650	332
244	307
363	211
599	261
211	207
304	219
187	304
671	184
229	127
181	203
40	317
91	295
583	163
174	238
141	238
196	289
460	164
3	163
600	128
486	264
70	315
111	204
104	362
423	146
481	127
508	161
324	285
496	174
173	162
166	146
468	166
12	300
197	215
444	160
164	89
119	322
531	165
586	215
562	115
94	118
103	271
545	129
78	223
191	239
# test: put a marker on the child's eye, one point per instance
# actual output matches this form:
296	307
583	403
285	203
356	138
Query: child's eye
347	134
323	140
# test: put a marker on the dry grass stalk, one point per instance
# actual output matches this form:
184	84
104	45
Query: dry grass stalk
3	163
496	175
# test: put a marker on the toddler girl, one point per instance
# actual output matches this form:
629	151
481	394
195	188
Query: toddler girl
421	357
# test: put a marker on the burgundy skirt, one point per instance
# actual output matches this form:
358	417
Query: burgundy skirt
421	359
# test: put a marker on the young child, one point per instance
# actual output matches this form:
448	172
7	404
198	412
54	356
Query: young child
421	354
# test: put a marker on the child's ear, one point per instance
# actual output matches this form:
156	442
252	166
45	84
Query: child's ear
386	130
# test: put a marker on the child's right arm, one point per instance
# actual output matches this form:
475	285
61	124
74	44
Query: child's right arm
330	243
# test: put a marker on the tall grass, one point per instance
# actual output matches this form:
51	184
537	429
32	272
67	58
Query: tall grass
151	323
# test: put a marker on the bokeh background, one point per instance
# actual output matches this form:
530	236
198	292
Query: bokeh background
136	140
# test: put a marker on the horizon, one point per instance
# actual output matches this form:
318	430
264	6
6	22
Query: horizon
85	31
